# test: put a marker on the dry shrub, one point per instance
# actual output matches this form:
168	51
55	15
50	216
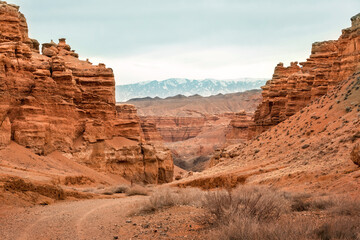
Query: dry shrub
322	203
116	189
137	190
260	203
347	207
167	197
305	202
255	213
300	202
339	228
120	189
248	228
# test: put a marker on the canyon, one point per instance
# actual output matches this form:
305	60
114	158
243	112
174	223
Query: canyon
193	128
74	164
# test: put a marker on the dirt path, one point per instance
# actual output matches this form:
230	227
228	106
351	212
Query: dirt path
88	219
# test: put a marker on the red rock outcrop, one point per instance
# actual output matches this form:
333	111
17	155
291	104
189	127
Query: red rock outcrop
294	87
151	133
240	127
54	101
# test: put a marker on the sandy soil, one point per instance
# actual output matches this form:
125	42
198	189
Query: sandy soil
87	219
98	219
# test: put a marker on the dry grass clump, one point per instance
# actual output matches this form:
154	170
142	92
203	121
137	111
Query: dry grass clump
137	190
248	228
299	202
166	197
259	203
339	228
115	189
322	203
347	207
306	202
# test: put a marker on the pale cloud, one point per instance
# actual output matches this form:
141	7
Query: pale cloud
198	63
158	39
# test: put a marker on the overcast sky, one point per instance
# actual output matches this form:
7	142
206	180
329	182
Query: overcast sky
158	39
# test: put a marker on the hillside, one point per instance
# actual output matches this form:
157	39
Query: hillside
186	87
309	151
198	106
310	119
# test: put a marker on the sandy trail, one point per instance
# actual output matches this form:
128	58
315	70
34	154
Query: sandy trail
88	219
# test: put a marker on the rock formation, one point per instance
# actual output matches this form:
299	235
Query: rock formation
294	87
240	127
54	101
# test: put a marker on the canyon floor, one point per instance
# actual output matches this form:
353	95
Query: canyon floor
95	219
187	214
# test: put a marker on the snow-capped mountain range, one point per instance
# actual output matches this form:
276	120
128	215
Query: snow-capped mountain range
187	87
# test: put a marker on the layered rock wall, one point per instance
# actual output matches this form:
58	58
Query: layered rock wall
240	127
175	129
54	101
294	87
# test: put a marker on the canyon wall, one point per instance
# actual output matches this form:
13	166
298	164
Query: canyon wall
194	127
192	140
175	129
55	102
294	87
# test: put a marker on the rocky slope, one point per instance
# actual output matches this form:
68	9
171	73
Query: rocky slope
316	148
293	87
55	102
187	87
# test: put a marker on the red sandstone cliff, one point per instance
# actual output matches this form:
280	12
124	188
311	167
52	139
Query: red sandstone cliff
294	87
54	101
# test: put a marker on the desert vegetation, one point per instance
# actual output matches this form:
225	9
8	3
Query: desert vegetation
127	189
263	213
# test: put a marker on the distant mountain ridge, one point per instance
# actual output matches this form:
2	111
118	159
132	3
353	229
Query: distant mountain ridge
196	105
186	87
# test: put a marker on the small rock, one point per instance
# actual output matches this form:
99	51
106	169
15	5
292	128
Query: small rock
305	146
128	221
